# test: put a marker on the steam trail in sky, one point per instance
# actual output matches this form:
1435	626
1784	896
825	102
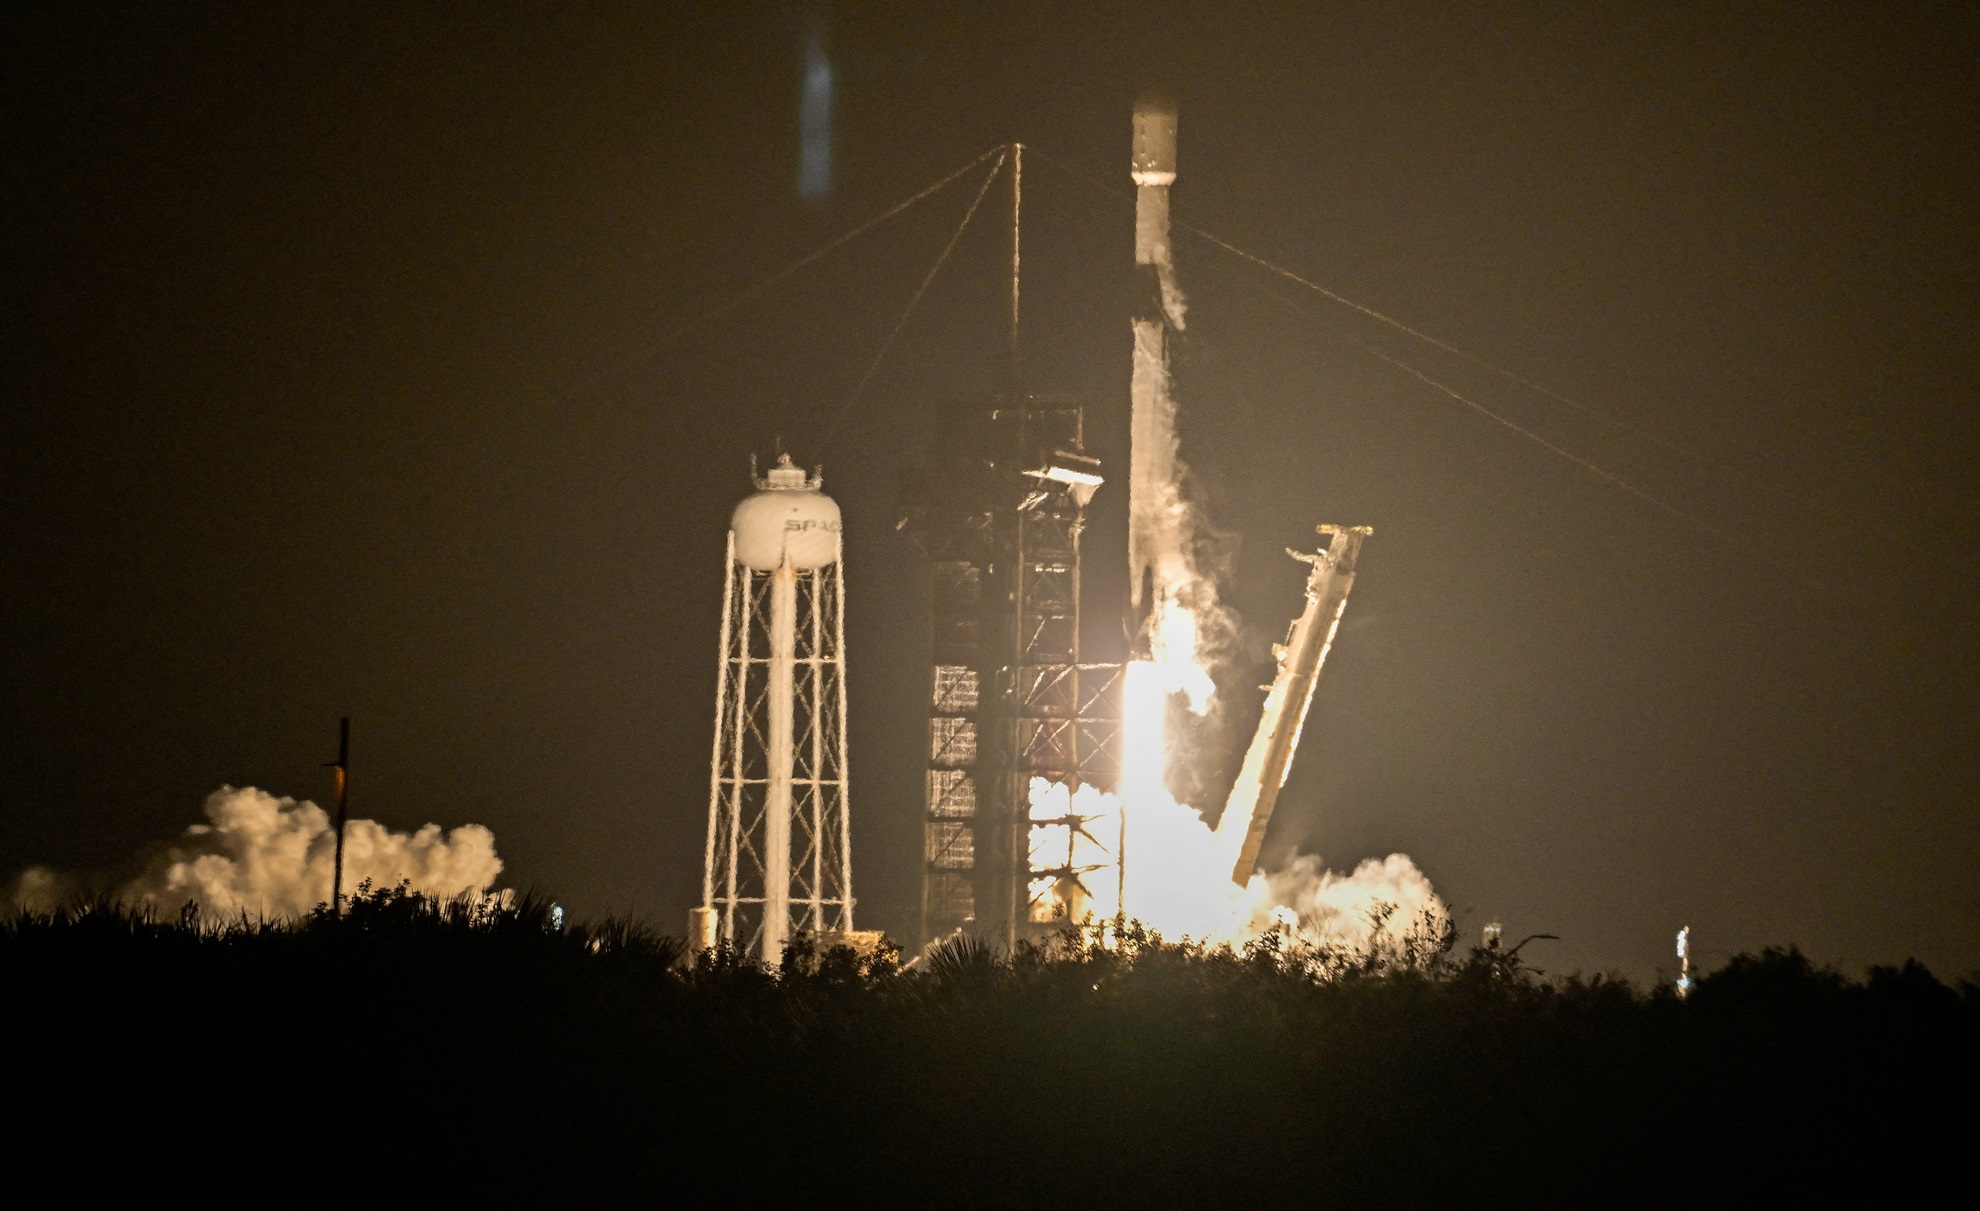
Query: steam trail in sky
270	857
815	116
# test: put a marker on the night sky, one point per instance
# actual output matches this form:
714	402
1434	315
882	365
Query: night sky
347	375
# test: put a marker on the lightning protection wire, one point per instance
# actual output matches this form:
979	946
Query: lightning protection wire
1609	477
914	300
1445	389
1447	347
1416	333
736	300
803	262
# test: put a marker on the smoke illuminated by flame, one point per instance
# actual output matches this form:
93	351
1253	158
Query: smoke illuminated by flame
1075	840
1173	884
1177	879
1175	643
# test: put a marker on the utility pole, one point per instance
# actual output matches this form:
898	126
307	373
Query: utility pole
343	767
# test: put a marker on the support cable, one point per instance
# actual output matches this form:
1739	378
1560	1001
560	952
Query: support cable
1408	330
803	262
736	300
1445	389
1610	476
887	345
1617	481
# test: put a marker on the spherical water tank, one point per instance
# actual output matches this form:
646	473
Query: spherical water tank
787	520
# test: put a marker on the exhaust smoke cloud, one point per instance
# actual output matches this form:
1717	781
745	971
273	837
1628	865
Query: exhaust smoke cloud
270	857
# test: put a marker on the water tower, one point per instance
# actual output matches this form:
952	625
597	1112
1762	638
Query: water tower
779	857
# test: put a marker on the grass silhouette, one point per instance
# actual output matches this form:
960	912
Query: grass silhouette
478	1045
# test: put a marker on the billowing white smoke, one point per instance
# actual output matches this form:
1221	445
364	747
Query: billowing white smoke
271	857
1372	908
1177	885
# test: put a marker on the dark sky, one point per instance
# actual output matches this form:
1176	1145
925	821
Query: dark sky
339	383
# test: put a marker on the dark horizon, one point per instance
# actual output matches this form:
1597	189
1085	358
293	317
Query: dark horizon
343	387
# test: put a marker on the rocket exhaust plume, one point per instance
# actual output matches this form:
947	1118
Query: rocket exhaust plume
1172	598
272	857
1179	876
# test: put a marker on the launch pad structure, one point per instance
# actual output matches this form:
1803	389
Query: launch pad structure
1019	725
1025	827
999	517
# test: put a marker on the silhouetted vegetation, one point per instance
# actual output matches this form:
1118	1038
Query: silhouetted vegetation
486	1046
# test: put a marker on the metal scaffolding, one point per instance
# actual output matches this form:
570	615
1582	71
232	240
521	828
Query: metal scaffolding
999	515
779	858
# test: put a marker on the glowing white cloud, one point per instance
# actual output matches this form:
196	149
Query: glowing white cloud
271	857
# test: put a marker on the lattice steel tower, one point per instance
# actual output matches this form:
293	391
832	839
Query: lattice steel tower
1022	734
779	857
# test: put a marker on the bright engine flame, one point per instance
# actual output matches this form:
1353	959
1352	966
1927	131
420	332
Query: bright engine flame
1174	883
1177	878
1075	843
1175	640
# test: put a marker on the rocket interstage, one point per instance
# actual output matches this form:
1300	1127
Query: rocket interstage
1154	169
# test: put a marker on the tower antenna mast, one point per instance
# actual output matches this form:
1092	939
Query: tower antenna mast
1017	230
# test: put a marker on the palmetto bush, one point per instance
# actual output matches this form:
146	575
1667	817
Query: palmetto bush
489	1047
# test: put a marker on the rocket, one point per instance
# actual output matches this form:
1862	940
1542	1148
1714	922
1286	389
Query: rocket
1153	166
1155	539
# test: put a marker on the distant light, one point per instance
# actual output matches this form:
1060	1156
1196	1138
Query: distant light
1493	931
815	119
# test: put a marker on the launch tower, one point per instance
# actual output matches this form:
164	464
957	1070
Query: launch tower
1011	705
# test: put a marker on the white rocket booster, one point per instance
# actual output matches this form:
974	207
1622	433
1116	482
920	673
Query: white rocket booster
1156	551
